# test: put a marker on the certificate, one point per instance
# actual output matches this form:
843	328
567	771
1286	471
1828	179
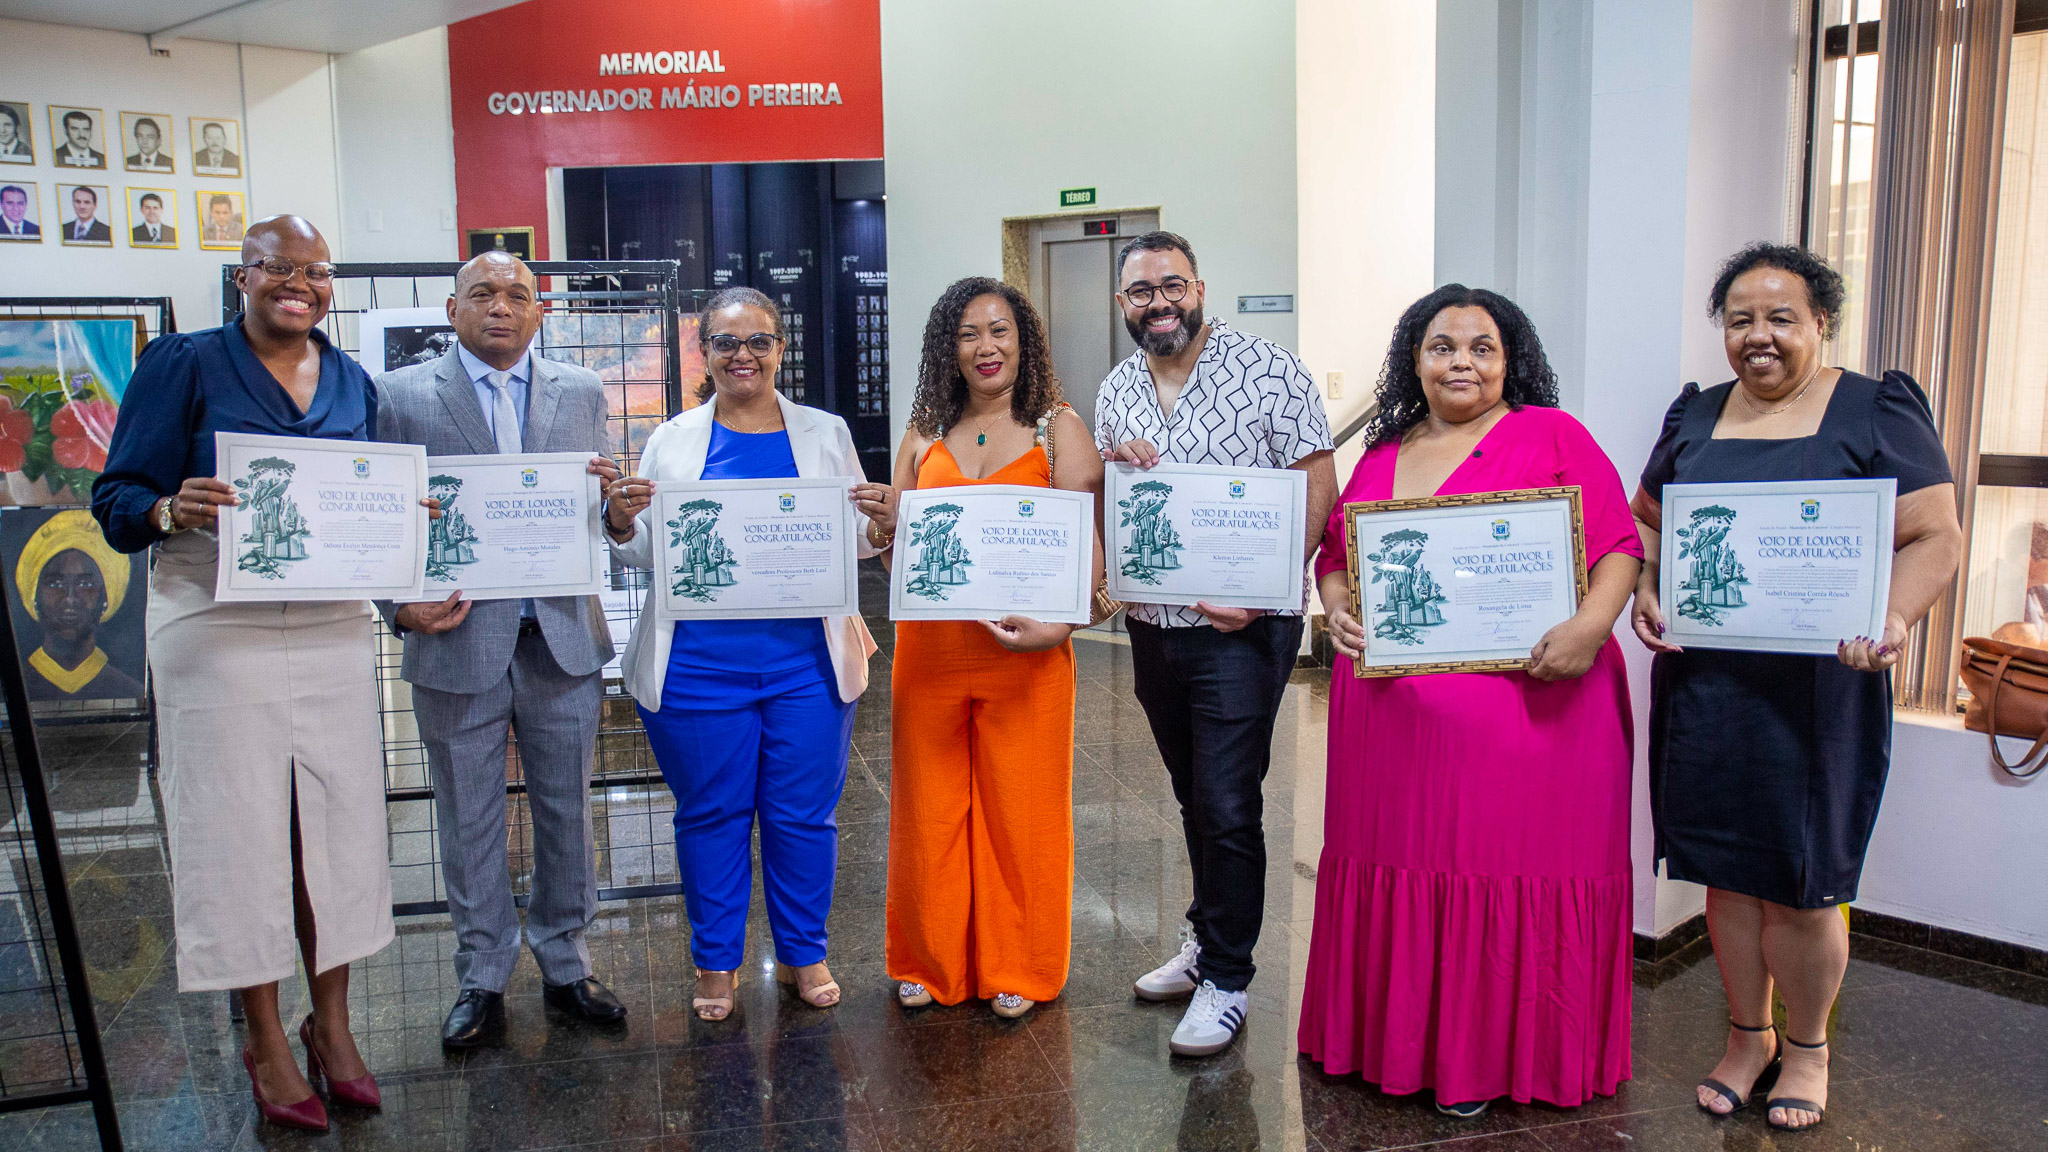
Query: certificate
320	519
1181	533
1796	566
1464	583
986	551
514	526
755	549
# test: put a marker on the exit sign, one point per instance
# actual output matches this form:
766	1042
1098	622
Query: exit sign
1076	197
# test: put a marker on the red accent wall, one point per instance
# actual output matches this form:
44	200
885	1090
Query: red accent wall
540	51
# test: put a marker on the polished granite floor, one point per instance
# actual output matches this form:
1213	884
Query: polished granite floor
1932	1053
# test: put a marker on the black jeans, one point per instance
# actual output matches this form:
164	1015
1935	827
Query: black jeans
1211	698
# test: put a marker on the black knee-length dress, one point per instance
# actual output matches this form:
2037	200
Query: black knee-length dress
1766	770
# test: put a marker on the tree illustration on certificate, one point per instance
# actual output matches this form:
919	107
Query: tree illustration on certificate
942	561
1154	546
699	562
277	532
1713	582
451	540
1409	601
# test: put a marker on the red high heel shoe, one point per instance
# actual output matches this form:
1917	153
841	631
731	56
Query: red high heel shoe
308	1114
361	1091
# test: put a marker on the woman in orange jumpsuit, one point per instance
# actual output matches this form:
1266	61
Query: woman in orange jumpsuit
981	814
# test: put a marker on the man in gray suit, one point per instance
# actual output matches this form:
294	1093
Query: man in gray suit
481	668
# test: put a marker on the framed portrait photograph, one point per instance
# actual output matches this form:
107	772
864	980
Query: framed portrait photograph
17	134
152	218
1465	583
216	146
21	211
517	241
222	219
146	142
85	215
78	137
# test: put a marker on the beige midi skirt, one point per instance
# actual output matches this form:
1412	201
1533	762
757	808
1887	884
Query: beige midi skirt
256	704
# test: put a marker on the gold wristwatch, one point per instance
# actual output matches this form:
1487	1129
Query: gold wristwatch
165	521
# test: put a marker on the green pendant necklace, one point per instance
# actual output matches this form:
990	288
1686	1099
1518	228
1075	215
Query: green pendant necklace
981	435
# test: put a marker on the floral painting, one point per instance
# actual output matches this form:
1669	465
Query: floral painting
61	383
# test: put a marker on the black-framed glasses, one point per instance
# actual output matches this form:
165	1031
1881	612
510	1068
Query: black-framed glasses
318	272
1173	290
760	343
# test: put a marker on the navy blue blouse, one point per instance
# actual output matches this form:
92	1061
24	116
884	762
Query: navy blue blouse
189	385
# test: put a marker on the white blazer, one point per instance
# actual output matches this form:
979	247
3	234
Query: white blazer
675	453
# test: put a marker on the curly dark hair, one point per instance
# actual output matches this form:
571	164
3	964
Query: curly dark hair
1402	404
737	296
1825	291
942	390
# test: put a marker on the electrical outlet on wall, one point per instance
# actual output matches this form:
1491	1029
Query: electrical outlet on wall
1334	385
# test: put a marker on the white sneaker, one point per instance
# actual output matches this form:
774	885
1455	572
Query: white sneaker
1174	979
1211	1023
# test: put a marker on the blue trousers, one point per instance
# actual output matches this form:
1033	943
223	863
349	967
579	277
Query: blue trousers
772	747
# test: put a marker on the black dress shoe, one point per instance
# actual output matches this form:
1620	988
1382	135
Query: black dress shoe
588	998
478	1016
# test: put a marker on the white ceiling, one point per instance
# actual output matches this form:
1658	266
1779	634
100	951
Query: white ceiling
312	25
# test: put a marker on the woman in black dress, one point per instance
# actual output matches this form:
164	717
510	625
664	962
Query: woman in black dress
1766	770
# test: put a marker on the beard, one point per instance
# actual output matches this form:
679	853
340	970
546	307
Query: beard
1171	342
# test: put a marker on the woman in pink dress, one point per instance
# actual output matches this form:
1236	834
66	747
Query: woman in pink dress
1472	925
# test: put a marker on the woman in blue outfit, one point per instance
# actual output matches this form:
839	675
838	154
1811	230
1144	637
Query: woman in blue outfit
749	719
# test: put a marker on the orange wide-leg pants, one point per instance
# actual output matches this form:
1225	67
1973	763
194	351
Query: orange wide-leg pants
981	814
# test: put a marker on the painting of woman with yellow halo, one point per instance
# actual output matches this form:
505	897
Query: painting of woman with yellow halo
68	596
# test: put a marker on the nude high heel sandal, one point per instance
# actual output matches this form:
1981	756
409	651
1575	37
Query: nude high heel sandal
715	1008
823	994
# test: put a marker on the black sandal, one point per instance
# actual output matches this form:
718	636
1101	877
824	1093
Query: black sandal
1764	1080
1787	1102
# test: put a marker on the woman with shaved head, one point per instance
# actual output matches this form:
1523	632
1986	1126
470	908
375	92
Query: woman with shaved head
273	768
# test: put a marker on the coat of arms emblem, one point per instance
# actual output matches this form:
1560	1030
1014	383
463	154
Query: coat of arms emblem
786	501
1500	529
362	467
1809	510
529	477
1026	507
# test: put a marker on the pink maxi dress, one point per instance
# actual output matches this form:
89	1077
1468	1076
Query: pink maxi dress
1473	909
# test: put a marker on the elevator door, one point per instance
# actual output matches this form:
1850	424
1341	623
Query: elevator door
1073	281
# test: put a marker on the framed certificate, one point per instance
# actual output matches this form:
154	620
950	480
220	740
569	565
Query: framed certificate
514	526
1796	566
321	519
755	549
1179	533
1463	583
985	551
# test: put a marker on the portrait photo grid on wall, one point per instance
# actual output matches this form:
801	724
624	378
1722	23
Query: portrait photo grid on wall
146	142
17	133
86	211
78	137
152	218
21	211
216	146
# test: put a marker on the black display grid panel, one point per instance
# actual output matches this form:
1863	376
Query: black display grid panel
50	1052
622	320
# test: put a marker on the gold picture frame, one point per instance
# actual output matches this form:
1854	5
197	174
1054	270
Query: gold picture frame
1353	512
517	241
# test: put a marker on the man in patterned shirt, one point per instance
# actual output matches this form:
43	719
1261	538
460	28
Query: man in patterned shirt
1210	677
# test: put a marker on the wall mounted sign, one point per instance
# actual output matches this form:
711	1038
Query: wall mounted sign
1076	197
517	241
577	83
1265	303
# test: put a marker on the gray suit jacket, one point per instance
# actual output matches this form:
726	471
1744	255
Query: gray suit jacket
435	404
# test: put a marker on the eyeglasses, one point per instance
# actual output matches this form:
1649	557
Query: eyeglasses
760	344
318	272
1174	290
